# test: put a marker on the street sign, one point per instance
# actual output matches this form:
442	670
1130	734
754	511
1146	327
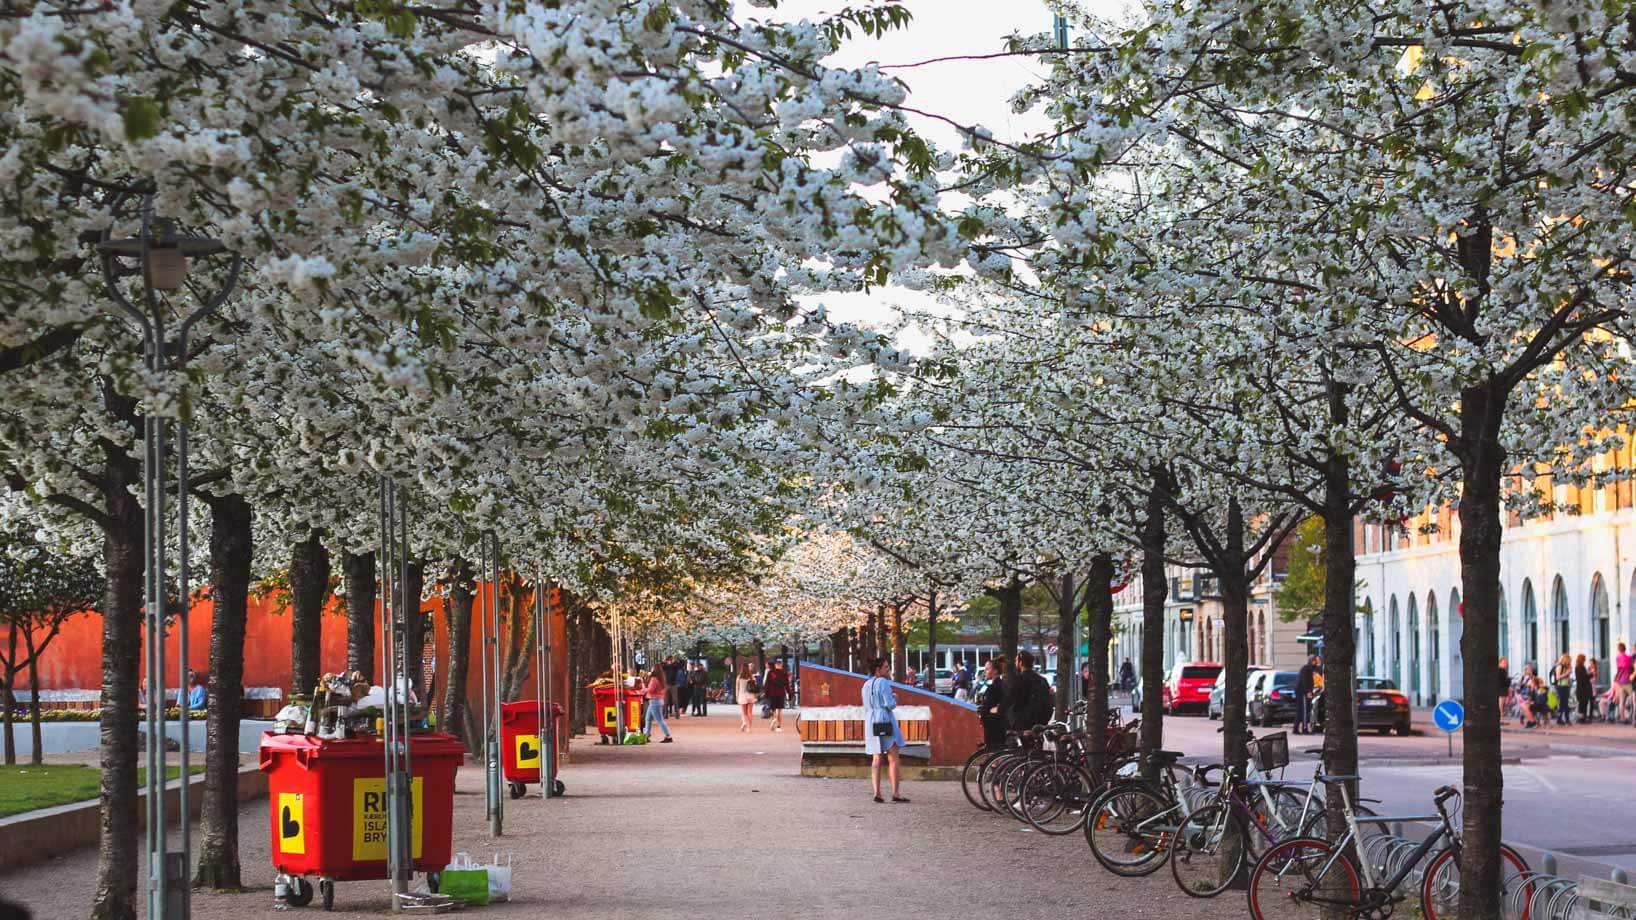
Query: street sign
1449	716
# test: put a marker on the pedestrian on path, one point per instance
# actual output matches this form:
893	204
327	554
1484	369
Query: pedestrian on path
698	681
775	689
1305	682
991	705
1029	701
883	739
1562	680
1622	666
1584	688
655	693
744	693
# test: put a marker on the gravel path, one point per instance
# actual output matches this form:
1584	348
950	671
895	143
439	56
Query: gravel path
720	824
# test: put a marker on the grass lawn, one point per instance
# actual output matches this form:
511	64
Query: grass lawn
25	788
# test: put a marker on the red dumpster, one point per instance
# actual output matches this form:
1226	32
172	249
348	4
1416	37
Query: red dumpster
328	801
604	698
521	743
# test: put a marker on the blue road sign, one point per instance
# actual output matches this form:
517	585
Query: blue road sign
1449	715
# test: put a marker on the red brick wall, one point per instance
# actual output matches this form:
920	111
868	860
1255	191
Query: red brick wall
956	729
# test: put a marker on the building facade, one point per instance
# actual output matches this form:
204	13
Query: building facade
1566	584
1194	625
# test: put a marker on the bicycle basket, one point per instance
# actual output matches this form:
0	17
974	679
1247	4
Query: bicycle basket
1270	752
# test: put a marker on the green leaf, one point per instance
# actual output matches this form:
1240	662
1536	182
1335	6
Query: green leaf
142	118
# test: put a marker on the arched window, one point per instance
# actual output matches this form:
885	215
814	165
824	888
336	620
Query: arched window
1505	629
1366	654
1601	628
1434	664
1394	646
1560	632
1414	648
1530	627
1456	633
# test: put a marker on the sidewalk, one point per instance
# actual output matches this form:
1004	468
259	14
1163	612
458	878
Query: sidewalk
1593	739
719	824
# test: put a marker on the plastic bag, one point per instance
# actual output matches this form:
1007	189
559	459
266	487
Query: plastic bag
499	879
465	880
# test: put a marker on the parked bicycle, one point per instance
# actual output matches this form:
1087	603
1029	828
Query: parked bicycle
1302	877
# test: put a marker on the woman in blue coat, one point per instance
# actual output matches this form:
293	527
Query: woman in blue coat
879	714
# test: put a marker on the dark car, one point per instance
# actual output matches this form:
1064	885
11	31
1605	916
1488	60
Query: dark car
1381	706
1272	697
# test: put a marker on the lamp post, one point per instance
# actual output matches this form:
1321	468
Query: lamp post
162	257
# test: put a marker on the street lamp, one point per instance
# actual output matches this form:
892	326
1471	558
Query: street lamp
162	256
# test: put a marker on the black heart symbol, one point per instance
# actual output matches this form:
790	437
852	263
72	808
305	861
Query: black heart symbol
287	826
526	751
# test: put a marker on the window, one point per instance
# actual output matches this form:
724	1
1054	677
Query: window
1530	627
1414	646
1559	617
1601	627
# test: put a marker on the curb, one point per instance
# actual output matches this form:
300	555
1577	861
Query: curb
39	835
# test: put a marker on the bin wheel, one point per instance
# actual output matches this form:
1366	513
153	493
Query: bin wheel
558	789
326	891
300	892
518	790
434	880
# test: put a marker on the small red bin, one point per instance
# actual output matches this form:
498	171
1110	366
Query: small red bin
520	735
328	801
604	698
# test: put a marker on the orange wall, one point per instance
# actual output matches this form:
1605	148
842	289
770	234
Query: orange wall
74	659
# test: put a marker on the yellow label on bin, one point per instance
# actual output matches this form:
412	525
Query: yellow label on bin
369	818
528	752
292	824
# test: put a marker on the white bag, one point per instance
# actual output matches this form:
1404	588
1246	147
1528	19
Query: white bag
499	879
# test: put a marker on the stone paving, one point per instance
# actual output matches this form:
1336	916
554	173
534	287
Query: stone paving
719	824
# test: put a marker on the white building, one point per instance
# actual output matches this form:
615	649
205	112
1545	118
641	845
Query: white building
1566	581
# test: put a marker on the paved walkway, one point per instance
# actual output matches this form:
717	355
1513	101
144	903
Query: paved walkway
720	824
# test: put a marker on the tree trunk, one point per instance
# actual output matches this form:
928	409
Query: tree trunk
309	585
867	641
761	660
414	628
1067	615
931	639
358	571
520	645
1340	579
115	897
230	560
37	755
1482	461
1098	637
457	618
1154	590
1010	598
900	649
1233	578
8	696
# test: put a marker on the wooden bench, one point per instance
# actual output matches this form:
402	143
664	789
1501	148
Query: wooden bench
1600	899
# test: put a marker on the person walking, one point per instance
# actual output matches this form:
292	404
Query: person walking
961	681
1504	684
991	705
698	681
775	689
656	694
1622	666
1584	689
1562	680
745	689
1127	676
1306	681
883	738
1594	672
1028	697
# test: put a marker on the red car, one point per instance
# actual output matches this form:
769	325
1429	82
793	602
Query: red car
1189	685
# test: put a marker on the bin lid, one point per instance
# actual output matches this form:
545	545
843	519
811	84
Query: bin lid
347	748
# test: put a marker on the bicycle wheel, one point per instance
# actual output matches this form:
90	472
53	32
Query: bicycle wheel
1130	829
1210	851
1297	879
1012	794
1056	798
1440	892
971	774
985	780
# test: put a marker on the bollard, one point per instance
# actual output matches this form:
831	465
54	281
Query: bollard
1547	864
1397	828
1621	877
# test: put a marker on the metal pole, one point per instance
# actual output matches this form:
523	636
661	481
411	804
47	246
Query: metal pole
542	676
405	801
491	726
185	890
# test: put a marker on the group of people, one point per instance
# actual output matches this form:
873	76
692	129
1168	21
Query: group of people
1573	687
772	689
1013	699
678	684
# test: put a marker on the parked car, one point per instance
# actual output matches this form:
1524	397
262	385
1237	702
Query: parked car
1218	690
1381	706
1188	685
1272	697
945	681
